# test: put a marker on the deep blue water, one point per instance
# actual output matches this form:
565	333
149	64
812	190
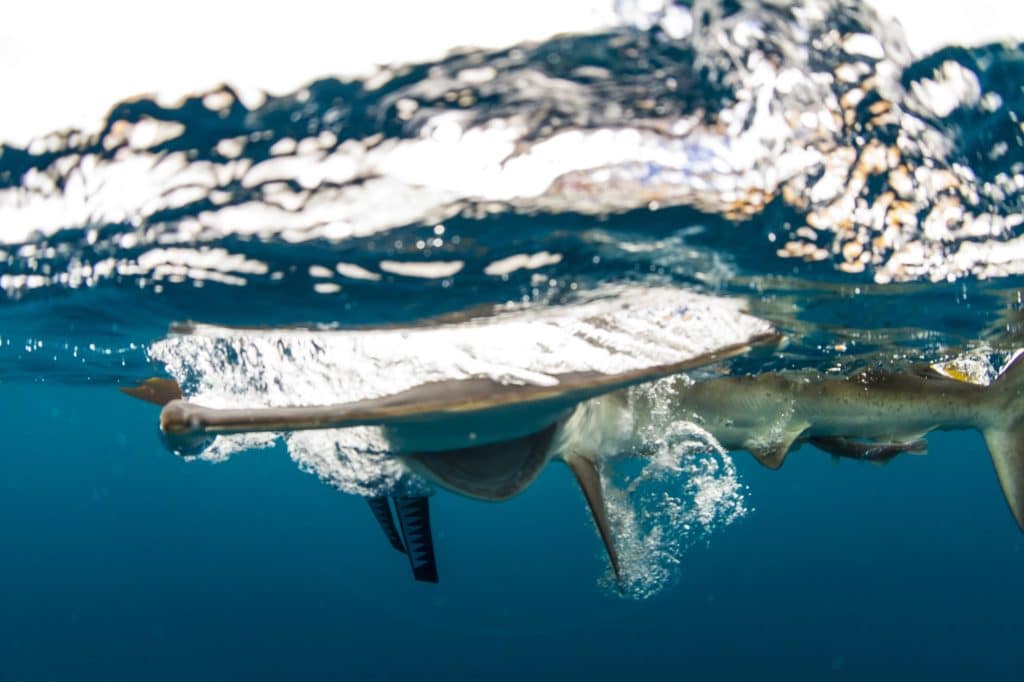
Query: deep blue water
121	562
885	233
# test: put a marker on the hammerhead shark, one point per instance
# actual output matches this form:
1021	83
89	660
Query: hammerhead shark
871	415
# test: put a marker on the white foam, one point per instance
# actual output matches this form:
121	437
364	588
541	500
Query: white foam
422	270
353	271
522	261
620	330
687	489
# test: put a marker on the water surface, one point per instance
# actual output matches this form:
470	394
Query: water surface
863	200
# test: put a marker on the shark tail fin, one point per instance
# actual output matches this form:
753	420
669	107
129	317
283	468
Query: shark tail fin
1005	437
156	390
590	482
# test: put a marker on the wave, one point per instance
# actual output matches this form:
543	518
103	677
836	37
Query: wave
810	119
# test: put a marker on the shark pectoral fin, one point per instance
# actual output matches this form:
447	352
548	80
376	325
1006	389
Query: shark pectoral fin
382	512
1006	446
414	519
156	390
590	482
868	452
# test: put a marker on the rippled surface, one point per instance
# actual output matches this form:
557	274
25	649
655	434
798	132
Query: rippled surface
798	156
794	160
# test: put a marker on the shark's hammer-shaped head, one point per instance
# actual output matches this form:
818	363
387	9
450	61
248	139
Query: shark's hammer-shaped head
181	425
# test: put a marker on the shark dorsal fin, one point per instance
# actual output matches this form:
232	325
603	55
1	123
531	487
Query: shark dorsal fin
590	482
932	372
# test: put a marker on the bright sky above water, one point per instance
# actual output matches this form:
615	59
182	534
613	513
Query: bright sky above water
64	64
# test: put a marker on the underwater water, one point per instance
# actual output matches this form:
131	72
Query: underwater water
797	162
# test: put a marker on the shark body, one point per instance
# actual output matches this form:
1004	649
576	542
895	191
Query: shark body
874	413
769	414
871	415
460	440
